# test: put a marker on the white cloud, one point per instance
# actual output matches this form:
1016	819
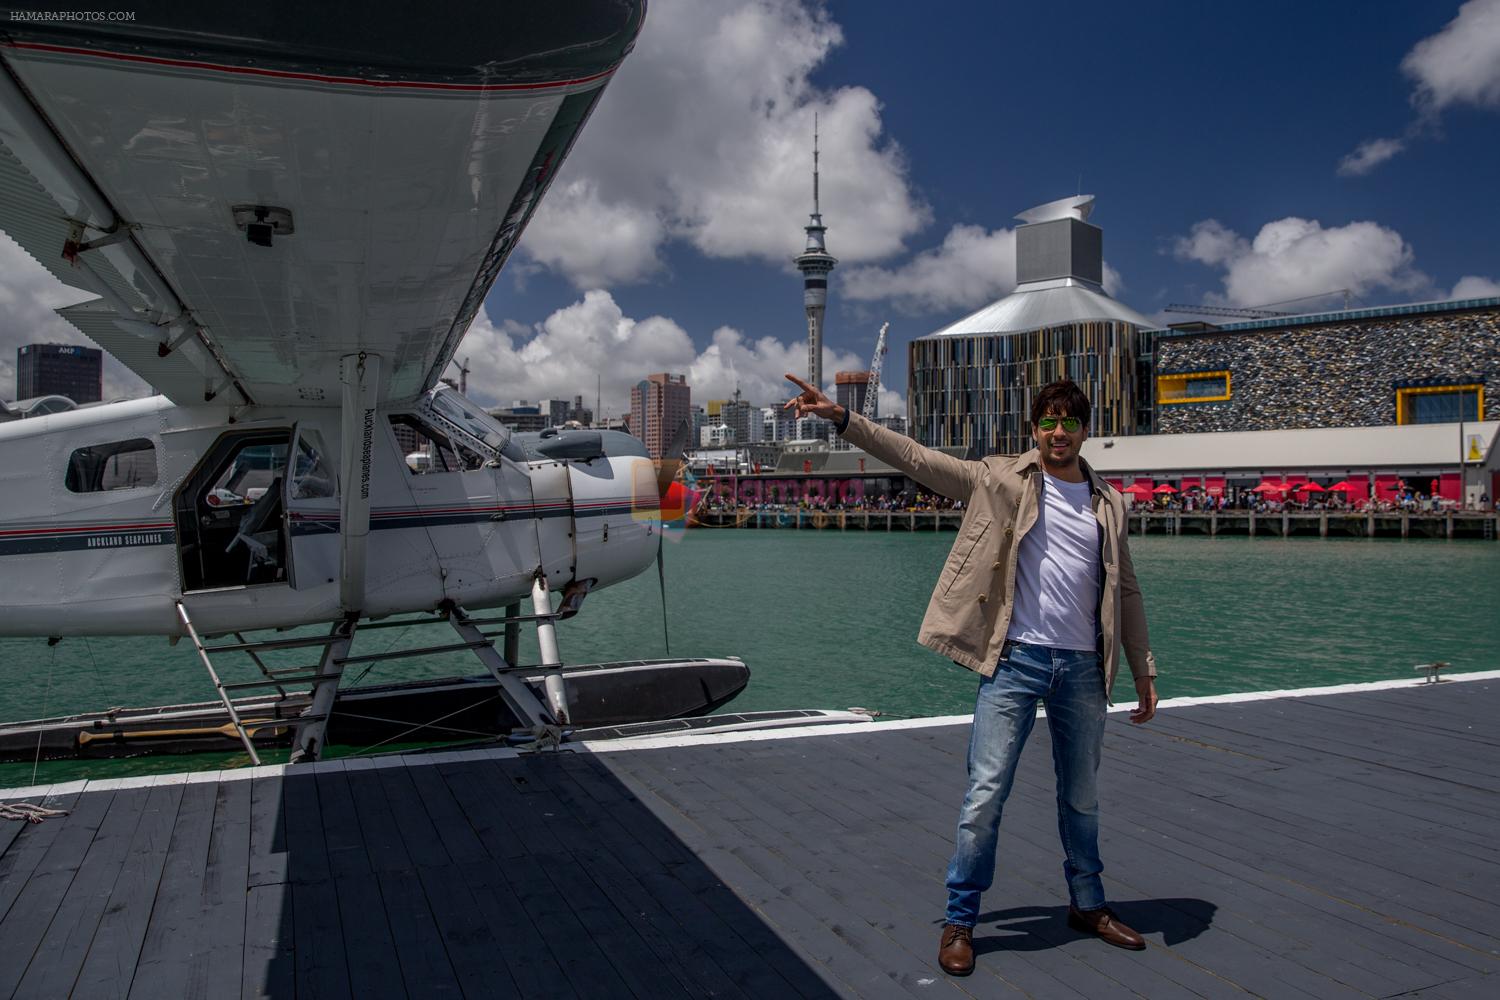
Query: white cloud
1210	242
1461	63
1293	257
1113	283
1369	155
892	403
705	136
1472	286
595	243
28	295
562	356
1458	65
971	267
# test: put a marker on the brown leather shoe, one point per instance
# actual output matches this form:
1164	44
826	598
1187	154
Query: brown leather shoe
956	950
1104	924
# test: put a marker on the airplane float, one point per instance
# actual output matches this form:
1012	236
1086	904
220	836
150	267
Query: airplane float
288	221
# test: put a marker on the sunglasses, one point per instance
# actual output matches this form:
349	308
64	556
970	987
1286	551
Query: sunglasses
1069	424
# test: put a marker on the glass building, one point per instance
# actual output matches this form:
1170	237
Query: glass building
971	384
61	370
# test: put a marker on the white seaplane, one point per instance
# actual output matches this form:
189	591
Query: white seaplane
288	221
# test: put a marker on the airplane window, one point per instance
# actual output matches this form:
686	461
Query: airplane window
470	418
428	450
312	475
121	465
246	479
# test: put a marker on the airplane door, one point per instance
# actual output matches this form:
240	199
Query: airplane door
311	502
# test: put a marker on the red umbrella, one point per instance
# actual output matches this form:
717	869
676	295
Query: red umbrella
1138	488
1268	487
1340	488
1311	488
1165	488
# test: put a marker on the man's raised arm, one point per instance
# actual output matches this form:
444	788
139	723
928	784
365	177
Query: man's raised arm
952	477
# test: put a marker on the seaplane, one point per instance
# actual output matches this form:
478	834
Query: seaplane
287	221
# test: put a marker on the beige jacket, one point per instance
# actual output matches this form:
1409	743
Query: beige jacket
970	609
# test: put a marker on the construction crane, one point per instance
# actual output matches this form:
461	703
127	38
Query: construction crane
872	387
1255	312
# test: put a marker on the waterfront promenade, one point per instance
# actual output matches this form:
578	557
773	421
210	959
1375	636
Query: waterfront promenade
1338	845
1279	524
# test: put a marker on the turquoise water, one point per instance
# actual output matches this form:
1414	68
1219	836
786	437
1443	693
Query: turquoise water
829	620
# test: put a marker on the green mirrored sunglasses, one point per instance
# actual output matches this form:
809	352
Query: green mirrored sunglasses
1069	424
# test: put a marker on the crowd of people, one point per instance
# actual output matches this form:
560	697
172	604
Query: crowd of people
913	502
1406	500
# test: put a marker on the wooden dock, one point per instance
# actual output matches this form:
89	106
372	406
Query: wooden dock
1280	524
1331	846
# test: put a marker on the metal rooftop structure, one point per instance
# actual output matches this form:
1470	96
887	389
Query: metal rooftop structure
1059	273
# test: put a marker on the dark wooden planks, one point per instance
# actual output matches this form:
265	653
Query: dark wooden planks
33	909
269	961
267	865
370	949
1195	834
61	951
220	954
486	799
166	965
1325	847
110	964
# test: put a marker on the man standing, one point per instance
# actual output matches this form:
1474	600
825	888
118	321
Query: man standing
1037	595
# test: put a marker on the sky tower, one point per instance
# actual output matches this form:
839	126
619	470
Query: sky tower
815	262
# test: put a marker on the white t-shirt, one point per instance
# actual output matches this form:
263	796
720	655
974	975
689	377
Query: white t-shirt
1057	571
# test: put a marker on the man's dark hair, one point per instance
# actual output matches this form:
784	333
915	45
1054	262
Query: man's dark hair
1063	398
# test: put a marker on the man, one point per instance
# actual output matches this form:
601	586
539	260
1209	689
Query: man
1037	595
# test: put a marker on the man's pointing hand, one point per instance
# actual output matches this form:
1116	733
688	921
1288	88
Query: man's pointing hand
811	401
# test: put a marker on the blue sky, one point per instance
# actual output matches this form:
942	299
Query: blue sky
1199	127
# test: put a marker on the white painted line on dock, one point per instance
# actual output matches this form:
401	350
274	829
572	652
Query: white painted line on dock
27	792
68	787
758	735
684	740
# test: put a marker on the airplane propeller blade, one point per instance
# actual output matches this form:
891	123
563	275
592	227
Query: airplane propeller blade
671	459
661	580
666	476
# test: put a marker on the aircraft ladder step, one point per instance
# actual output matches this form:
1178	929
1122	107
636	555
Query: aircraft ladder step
311	676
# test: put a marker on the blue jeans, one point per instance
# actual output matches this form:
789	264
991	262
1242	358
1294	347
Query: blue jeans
1071	684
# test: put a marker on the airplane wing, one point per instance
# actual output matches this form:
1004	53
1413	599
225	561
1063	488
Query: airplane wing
256	190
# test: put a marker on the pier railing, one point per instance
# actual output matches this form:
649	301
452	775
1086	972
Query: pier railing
1281	524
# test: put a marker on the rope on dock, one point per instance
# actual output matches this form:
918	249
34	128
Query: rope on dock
29	811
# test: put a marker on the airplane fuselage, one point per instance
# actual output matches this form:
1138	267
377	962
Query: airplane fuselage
113	513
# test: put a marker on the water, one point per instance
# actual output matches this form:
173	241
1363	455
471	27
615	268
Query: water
829	620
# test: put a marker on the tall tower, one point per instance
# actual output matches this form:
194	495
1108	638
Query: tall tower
815	262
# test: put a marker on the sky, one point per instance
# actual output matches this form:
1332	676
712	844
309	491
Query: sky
1241	154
